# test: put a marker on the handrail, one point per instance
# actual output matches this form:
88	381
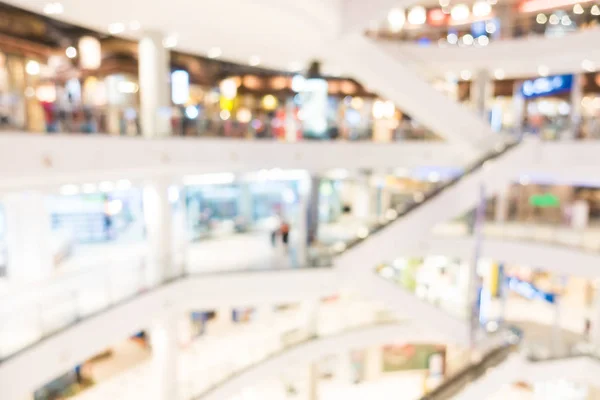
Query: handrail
454	384
402	212
527	232
309	339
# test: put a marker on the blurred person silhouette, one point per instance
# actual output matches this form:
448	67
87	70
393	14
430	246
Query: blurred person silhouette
284	230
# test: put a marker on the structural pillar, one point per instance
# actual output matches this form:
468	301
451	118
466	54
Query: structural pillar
481	90
28	236
307	224
596	321
373	363
501	211
363	196
474	282
154	77
158	216
518	108
557	343
576	106
165	349
344	372
313	381
177	203
245	204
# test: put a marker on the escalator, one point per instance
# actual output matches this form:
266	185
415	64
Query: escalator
397	81
355	266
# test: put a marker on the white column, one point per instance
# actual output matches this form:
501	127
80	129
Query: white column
245	203
481	91
154	77
313	381
362	198
311	316
307	223
373	363
158	216
28	237
518	108
556	329
176	198
344	372
576	107
501	211
595	331
164	362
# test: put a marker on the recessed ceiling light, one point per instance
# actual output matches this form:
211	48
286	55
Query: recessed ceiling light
396	19
170	41
465	75
134	25
554	20
588	65
460	12
417	15
116	28
483	40
595	10
71	52
53	8
254	61
499	74
577	9
214	52
541	19
32	67
467	39
543	70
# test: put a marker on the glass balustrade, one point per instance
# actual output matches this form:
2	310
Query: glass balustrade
36	312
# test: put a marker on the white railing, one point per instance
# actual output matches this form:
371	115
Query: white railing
586	239
29	314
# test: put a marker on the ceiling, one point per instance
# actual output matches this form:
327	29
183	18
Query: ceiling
283	34
516	58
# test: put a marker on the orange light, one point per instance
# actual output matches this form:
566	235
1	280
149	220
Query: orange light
437	17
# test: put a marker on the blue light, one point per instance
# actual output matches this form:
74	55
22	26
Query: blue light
547	85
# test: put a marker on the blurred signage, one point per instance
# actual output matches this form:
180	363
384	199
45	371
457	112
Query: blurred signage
180	87
314	108
529	291
547	200
546	86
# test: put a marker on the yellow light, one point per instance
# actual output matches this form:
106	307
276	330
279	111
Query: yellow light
482	9
90	52
224	114
226	104
46	93
32	67
244	115
269	102
460	12
228	88
357	103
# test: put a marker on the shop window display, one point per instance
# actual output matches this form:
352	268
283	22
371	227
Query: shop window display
91	218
